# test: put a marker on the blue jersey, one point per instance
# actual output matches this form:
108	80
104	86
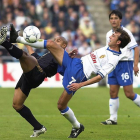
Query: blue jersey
72	70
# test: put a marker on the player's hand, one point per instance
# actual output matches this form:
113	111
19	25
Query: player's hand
74	86
73	53
136	70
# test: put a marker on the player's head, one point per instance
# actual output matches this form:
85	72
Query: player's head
119	38
115	18
61	41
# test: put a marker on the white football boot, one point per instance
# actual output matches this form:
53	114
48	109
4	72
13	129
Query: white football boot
36	133
3	34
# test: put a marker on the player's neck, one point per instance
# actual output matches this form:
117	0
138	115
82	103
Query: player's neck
115	28
117	49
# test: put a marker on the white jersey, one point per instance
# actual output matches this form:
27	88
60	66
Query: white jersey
127	51
101	61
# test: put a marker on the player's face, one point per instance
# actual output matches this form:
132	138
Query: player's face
60	42
115	21
114	39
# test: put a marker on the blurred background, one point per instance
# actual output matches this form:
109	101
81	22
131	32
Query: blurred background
84	23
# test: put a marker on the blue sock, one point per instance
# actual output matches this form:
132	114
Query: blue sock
65	110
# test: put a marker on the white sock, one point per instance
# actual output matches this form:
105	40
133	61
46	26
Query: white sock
39	44
113	108
136	100
69	115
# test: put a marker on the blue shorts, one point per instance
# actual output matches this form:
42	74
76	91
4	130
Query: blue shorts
72	71
122	75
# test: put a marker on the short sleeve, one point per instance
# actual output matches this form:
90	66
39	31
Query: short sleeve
106	70
108	67
36	55
133	42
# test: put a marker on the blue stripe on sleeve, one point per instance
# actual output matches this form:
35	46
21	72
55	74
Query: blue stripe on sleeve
99	73
134	46
45	43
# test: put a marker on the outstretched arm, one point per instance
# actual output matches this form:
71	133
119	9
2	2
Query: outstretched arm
136	60
32	52
30	49
76	86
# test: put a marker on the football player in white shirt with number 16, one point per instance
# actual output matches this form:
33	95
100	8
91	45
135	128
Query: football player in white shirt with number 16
123	73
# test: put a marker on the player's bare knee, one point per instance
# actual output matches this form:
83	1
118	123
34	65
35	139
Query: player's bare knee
60	107
16	106
129	95
113	94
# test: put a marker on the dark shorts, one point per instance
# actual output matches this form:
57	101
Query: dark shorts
30	80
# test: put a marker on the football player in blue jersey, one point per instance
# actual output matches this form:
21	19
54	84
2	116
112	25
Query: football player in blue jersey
76	72
35	69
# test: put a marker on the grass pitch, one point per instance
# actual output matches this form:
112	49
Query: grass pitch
90	106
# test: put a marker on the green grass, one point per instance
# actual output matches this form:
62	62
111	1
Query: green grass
90	106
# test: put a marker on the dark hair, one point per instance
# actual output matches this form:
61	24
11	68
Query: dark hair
124	37
117	13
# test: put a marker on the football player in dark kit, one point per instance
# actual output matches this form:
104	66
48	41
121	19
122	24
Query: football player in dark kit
35	70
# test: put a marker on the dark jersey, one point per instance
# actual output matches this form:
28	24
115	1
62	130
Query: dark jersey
35	77
47	63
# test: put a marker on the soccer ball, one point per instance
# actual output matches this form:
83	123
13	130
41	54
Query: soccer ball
31	34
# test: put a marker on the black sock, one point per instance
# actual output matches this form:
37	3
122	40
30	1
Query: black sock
27	114
12	49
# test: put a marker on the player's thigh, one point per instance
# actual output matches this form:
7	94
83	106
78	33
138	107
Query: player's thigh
19	97
125	73
63	100
114	89
28	62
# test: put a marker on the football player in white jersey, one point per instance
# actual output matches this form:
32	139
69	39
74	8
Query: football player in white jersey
75	71
123	74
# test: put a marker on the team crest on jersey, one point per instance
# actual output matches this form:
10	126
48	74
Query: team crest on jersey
102	56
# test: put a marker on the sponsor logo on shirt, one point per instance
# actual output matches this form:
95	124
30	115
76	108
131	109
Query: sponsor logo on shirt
102	56
93	57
